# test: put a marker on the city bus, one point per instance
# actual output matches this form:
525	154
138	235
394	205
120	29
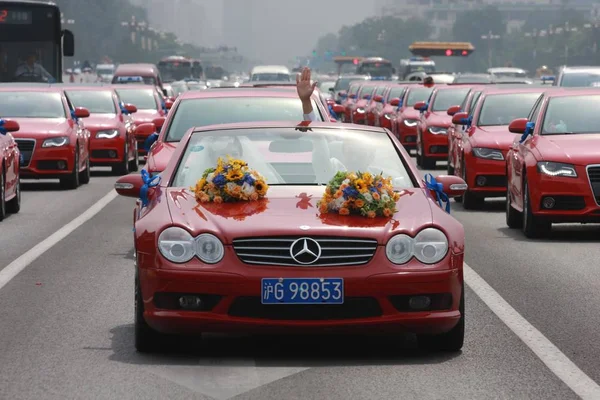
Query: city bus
31	35
346	64
175	68
376	68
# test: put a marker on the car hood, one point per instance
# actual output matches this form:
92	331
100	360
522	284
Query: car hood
159	157
143	116
437	118
31	127
411	113
578	149
101	121
493	137
288	208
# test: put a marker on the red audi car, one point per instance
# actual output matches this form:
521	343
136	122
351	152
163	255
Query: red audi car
352	97
386	109
358	109
455	130
375	101
111	126
240	267
432	129
52	137
480	149
407	117
150	105
10	182
554	166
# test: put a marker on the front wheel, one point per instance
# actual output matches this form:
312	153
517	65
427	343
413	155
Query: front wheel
147	340
86	174
533	227
450	341
514	220
14	205
72	181
134	164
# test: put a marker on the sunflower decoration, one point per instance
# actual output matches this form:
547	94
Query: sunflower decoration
230	181
359	193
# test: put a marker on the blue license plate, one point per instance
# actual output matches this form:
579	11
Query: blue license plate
302	291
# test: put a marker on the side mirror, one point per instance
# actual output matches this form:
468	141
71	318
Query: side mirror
146	129
68	43
81	112
395	102
158	123
168	104
9	126
518	125
378	98
367	97
452	185
131	109
420	105
342	93
352	96
453	110
459	118
129	185
339	109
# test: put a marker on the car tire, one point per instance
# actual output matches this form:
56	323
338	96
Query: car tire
2	193
86	174
123	167
13	206
514	219
451	341
147	340
428	163
469	199
533	227
134	165
72	181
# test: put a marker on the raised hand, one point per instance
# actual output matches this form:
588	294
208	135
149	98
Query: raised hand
304	86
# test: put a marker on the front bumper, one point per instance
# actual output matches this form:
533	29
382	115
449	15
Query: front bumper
106	152
486	177
435	146
46	163
407	135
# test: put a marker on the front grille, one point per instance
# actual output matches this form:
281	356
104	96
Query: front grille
352	308
335	251
438	149
26	147
593	172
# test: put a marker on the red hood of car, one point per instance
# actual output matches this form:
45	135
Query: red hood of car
101	121
39	127
160	156
578	149
493	137
438	118
144	116
410	113
287	208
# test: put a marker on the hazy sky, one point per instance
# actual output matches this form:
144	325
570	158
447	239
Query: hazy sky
273	31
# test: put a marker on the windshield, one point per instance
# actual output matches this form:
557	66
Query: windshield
502	109
143	99
176	71
444	99
97	102
226	110
416	95
31	105
28	61
396	93
274	77
572	114
325	86
409	69
285	156
376	69
105	71
343	84
581	79
473	79
367	91
510	74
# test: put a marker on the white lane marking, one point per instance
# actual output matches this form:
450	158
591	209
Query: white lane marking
18	265
547	352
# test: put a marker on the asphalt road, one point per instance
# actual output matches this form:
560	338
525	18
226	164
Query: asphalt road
66	321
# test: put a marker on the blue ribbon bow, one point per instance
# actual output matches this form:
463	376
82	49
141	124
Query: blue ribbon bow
467	122
149	182
2	129
150	141
74	116
528	131
333	114
437	187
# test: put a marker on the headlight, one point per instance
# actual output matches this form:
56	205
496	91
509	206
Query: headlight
109	134
429	247
387	116
557	169
488	154
411	122
209	248
56	142
399	249
438	130
177	245
360	110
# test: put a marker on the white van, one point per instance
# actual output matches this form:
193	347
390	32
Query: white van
273	73
106	71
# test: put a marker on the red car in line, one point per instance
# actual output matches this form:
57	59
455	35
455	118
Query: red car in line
358	109
10	182
150	105
432	129
554	166
386	109
375	100
237	267
52	137
482	147
407	117
352	97
111	126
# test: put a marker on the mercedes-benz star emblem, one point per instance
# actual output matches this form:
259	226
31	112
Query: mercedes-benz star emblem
305	251
304	227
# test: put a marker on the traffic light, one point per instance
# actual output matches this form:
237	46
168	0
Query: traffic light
314	53
449	53
355	61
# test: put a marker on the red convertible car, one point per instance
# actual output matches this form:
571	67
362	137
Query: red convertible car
246	266
112	140
480	149
10	183
554	167
52	138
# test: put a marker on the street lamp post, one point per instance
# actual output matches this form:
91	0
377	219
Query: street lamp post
489	37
